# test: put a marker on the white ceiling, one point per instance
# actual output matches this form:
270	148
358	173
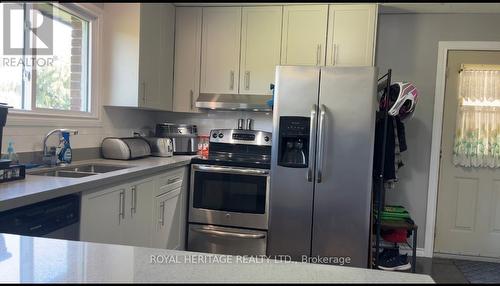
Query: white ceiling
390	8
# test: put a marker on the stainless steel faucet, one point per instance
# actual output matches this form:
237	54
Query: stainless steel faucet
49	154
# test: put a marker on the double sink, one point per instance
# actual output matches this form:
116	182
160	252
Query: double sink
79	171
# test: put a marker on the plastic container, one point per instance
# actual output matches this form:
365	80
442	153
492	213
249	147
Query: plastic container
203	142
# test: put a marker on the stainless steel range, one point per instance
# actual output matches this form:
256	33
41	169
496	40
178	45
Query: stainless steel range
229	194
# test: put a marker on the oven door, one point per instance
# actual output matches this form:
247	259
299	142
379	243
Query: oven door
229	196
226	240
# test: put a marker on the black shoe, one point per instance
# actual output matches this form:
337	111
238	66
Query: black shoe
388	252
394	262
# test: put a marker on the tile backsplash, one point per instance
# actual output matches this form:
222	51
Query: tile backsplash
208	120
122	122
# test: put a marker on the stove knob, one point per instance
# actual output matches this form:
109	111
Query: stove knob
266	138
221	135
214	135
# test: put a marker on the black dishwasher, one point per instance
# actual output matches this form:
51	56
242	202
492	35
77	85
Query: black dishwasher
54	218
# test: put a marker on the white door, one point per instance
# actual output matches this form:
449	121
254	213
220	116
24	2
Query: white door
351	34
468	208
138	212
260	48
187	58
304	35
168	219
103	215
220	50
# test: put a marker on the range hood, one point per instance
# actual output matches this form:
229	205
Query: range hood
250	102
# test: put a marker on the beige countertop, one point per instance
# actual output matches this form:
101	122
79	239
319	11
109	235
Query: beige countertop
39	260
39	188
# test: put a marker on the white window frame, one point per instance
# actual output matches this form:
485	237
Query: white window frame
50	117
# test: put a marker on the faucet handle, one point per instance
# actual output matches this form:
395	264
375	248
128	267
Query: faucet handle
50	156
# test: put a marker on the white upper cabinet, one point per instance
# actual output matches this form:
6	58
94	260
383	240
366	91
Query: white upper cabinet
138	54
260	48
220	52
187	58
304	35
351	35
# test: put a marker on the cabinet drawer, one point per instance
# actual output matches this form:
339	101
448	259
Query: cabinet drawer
170	181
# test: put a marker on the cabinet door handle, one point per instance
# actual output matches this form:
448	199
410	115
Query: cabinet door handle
121	214
334	51
144	92
133	208
318	55
247	80
162	213
231	80
191	94
171	181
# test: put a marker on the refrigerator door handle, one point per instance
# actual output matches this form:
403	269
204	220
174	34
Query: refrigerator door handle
321	141
312	142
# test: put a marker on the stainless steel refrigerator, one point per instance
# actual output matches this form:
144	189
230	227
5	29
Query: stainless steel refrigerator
321	165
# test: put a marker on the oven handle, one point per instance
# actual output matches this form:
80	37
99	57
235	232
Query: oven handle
231	170
229	234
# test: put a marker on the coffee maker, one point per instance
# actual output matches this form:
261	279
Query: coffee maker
4	109
293	151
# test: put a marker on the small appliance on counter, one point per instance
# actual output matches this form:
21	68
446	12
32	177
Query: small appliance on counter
184	137
8	172
4	110
160	147
125	148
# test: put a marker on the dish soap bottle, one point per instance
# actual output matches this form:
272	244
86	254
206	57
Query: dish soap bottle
65	155
11	154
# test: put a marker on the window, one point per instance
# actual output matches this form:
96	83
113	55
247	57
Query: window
45	59
477	139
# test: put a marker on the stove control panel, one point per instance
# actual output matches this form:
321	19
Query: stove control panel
238	136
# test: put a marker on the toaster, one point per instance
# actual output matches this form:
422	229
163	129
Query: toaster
125	148
160	147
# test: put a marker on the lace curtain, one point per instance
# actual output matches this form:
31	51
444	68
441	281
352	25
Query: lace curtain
477	137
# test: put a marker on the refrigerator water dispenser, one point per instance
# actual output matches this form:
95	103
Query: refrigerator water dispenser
294	142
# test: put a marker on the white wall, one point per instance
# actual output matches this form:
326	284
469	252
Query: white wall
408	44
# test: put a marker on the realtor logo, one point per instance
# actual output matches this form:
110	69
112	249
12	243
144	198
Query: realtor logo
37	32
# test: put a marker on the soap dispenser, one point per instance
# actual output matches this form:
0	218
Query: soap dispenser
65	155
11	154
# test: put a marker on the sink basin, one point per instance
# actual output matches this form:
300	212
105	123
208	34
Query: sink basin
79	171
61	173
94	168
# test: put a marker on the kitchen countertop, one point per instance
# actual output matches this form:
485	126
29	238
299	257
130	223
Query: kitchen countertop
39	188
29	259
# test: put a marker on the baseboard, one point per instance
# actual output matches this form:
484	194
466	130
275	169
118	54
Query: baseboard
466	257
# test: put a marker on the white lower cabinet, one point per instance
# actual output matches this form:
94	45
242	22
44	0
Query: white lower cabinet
102	216
168	208
138	213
